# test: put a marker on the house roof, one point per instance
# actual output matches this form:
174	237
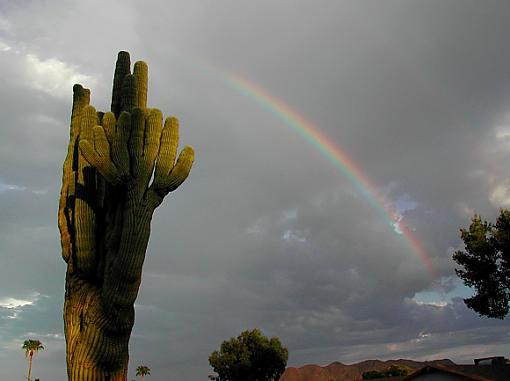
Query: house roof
490	372
469	372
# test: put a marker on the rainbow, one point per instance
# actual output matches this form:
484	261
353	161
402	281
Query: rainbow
326	147
334	155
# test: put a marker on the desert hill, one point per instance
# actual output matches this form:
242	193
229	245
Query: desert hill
337	371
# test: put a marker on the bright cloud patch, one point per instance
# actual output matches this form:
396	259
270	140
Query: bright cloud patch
402	203
289	215
500	195
19	188
4	47
53	76
435	303
10	187
293	236
15	303
396	225
430	298
503	134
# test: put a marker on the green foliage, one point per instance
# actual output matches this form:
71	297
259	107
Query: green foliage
391	371
372	374
486	265
31	347
249	357
143	371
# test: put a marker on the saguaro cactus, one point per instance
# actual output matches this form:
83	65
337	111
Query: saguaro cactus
106	205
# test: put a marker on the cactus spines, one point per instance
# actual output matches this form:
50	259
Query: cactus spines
105	210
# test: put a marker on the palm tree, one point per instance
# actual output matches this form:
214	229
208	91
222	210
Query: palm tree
31	347
143	370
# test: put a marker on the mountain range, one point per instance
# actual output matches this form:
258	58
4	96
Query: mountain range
337	371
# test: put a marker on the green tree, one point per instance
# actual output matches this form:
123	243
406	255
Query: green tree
31	347
249	357
120	165
486	264
391	371
143	371
372	375
396	370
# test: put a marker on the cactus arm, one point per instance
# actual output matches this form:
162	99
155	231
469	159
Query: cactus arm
141	73
118	136
81	98
108	152
169	175
84	209
129	93
168	148
153	128
122	68
136	142
98	155
179	172
129	90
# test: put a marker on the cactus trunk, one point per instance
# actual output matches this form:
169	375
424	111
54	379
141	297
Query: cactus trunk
106	205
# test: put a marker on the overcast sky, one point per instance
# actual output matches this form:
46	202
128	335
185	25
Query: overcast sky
267	232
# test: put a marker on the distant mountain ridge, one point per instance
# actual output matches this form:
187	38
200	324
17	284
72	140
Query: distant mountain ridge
337	371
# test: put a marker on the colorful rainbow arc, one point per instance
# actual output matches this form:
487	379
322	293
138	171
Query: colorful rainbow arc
324	144
334	155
